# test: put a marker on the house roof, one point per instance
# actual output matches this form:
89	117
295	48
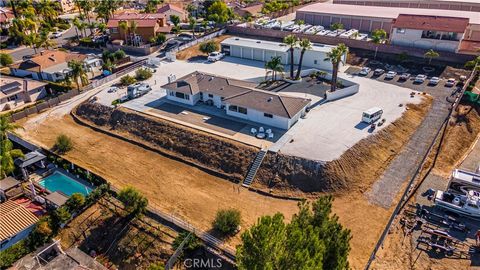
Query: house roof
48	59
271	45
168	7
252	9
8	183
240	93
142	19
14	218
385	12
434	23
6	15
10	86
29	159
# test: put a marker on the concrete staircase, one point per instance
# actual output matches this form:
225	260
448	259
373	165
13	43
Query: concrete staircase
254	168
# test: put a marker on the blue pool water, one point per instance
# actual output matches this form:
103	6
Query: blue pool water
60	182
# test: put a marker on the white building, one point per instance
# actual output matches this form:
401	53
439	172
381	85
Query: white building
238	99
262	50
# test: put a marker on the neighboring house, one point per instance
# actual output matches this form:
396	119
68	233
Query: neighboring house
238	99
67	6
262	50
465	34
171	9
148	25
254	10
16	92
53	65
6	17
16	223
428	32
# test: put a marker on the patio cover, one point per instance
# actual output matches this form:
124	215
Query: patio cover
8	183
29	159
56	198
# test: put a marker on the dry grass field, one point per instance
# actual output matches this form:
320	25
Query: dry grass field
194	51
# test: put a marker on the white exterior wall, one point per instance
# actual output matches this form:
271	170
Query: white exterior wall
192	101
217	100
413	38
19	236
257	116
24	73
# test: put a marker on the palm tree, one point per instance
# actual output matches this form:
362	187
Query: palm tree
77	72
291	41
124	26
91	26
192	22
305	44
378	36
77	23
102	27
430	54
275	65
336	56
133	29
7	153
47	9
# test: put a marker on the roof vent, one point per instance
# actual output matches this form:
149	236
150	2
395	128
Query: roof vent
258	41
52	59
237	39
211	78
269	99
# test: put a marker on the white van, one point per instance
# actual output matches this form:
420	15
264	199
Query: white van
371	115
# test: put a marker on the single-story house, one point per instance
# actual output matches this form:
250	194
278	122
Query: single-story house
148	26
254	10
52	65
262	50
16	92
238	99
171	9
16	223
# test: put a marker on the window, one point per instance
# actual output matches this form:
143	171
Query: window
171	93
233	108
180	95
400	30
12	98
315	62
242	110
269	115
114	30
187	97
210	95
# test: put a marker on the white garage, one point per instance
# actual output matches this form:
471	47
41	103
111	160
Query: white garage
261	50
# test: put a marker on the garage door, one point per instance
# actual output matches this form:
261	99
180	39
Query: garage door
247	53
258	54
235	51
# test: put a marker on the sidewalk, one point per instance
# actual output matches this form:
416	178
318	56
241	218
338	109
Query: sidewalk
8	51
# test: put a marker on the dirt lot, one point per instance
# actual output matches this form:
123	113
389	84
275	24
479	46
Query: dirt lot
194	51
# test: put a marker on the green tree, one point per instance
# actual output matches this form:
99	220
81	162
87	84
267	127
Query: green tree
78	25
219	12
430	54
143	74
133	29
75	202
31	40
5	59
151	6
227	221
61	215
291	41
119	54
102	27
156	266
78	72
124	26
312	240
175	19
275	65
105	8
7	153
208	47
473	63
305	45
336	56
63	144
47	9
192	22
378	37
192	244
127	80
135	203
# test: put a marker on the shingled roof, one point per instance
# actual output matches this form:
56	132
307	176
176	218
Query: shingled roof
14	218
240	93
431	23
48	59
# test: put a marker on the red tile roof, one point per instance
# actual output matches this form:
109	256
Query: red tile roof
5	15
143	20
47	59
434	23
168	7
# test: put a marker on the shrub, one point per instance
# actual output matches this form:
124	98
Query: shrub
143	74
5	59
156	266
63	26
119	54
161	38
227	221
127	80
13	253
63	144
135	203
192	243
208	47
75	202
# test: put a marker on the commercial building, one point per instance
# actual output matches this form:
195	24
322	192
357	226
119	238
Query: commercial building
16	92
262	50
465	5
148	25
238	98
419	28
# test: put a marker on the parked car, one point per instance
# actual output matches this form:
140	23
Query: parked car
56	34
215	56
405	76
420	78
450	82
185	37
434	81
365	71
112	89
378	72
390	75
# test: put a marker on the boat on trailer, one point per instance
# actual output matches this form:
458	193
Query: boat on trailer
463	204
463	181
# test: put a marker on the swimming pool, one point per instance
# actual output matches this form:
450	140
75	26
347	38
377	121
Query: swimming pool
61	182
